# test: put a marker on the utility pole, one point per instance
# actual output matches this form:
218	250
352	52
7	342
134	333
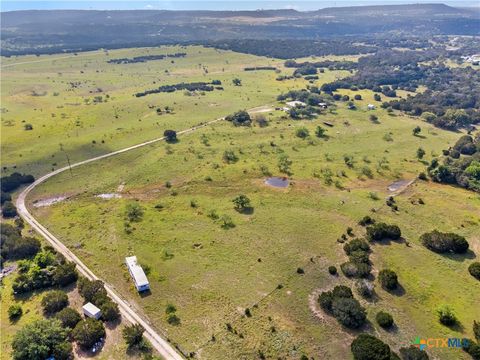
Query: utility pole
68	159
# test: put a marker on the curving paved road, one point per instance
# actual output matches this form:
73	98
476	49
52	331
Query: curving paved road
158	342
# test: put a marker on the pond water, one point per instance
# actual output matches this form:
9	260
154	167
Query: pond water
280	182
109	196
49	201
397	185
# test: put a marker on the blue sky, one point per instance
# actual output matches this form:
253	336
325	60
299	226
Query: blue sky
304	5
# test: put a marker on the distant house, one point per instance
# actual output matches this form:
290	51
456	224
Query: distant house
323	105
295	103
370	107
91	311
137	273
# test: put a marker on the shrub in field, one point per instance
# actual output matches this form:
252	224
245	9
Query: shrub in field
368	347
364	288
474	270
446	316
413	353
348	312
380	231
332	270
14	312
354	245
388	279
444	242
384	319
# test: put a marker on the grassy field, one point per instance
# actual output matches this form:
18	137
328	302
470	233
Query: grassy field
55	94
212	274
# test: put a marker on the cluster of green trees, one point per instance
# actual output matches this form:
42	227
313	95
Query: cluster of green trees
329	64
343	306
292	48
94	292
145	58
48	268
460	165
381	231
11	183
368	347
444	242
358	264
240	118
196	86
14	246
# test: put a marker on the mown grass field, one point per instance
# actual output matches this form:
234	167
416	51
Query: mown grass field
212	274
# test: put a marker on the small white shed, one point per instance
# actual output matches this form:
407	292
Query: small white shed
371	107
91	311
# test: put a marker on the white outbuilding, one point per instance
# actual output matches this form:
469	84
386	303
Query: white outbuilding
371	107
137	273
91	311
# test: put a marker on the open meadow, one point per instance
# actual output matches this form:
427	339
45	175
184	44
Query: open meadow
244	284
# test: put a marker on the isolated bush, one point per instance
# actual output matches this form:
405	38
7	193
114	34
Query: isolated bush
342	291
444	242
380	231
173	319
366	220
134	211
41	339
474	270
332	270
446	316
368	347
133	335
14	312
302	132
229	157
413	353
54	301
88	332
68	317
241	203
359	257
348	312
384	319
388	279
170	136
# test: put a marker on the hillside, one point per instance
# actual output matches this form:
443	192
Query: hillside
25	32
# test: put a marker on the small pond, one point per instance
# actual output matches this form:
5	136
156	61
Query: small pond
109	196
397	185
49	201
279	182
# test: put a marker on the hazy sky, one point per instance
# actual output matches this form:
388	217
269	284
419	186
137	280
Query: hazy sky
208	5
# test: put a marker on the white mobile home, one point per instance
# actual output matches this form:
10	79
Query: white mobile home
91	311
137	273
